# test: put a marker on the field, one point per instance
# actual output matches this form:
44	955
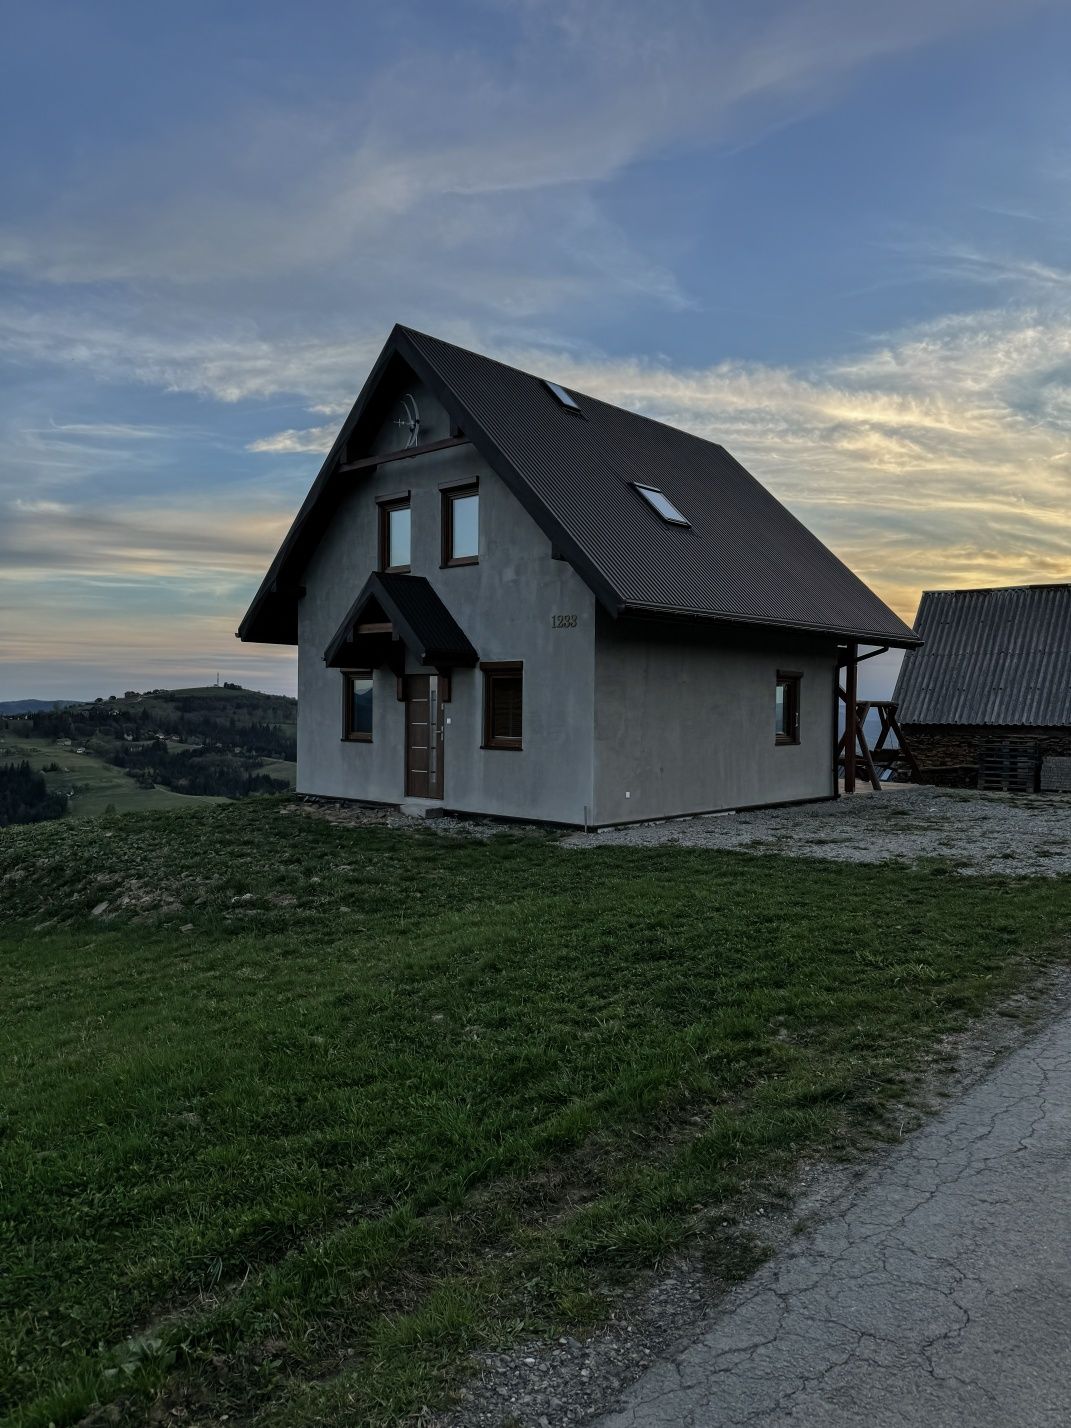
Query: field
97	784
297	1115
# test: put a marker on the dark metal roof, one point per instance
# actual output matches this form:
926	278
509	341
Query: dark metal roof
1000	657
743	558
419	618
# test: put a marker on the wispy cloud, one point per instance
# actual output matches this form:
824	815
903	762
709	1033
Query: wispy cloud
497	177
253	253
293	442
942	453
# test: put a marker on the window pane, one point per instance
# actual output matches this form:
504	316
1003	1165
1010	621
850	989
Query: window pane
663	505
464	527
506	702
780	710
398	536
360	705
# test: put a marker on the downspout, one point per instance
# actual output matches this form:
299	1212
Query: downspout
835	748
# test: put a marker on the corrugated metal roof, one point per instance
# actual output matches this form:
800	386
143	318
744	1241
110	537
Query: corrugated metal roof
419	616
743	558
999	657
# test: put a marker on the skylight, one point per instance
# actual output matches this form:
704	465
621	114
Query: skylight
562	395
662	504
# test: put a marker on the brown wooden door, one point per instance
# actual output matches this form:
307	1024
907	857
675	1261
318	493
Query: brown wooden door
423	737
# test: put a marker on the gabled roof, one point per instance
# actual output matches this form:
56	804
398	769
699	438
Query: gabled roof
418	616
742	558
999	656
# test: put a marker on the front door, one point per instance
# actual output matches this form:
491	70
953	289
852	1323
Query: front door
423	737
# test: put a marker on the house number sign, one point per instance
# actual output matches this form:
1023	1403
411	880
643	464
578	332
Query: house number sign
563	622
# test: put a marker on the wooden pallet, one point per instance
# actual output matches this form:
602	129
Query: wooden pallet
1010	766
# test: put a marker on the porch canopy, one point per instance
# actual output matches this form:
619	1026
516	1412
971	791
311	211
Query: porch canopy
394	613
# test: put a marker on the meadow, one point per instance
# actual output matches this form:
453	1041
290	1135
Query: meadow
296	1116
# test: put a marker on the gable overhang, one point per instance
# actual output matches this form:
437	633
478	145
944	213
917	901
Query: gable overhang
272	616
393	611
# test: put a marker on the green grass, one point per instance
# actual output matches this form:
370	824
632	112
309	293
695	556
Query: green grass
393	1096
98	785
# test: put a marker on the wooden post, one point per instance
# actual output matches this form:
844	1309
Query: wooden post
851	687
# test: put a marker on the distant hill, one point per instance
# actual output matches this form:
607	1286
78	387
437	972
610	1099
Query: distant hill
215	741
33	706
213	704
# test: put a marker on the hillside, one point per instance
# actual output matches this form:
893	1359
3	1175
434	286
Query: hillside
158	748
301	1115
33	706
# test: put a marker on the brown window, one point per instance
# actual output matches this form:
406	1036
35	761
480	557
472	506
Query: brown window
461	525
395	528
357	705
787	708
503	705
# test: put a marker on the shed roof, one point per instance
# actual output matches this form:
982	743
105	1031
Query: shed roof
742	559
997	656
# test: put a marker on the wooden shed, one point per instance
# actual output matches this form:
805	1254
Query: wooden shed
986	700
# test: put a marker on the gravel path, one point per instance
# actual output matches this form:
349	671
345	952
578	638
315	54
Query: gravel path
980	833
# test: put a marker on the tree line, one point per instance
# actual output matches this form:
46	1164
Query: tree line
24	796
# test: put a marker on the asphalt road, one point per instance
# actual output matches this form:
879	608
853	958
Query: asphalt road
938	1296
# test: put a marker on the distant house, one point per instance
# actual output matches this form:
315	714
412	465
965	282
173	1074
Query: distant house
994	671
510	598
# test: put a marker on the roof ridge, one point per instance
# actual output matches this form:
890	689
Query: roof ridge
575	391
999	589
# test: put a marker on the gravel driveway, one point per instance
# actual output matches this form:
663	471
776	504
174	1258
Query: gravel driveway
979	833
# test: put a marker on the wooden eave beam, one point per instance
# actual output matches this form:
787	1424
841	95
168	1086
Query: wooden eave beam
367	462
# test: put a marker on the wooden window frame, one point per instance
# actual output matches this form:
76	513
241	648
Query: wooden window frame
386	506
349	734
493	670
791	679
450	494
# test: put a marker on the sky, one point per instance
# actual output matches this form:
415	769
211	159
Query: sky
831	234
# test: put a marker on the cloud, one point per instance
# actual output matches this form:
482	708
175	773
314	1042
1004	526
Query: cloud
291	442
937	455
204	551
260	251
414	170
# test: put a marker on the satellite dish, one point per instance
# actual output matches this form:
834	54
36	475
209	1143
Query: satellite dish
405	415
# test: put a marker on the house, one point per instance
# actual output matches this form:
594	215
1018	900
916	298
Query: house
994	674
513	599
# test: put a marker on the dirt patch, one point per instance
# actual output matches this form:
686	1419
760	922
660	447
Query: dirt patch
348	814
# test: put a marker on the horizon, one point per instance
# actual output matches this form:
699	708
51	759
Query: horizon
833	240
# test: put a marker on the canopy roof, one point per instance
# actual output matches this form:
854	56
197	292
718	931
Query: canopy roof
415	615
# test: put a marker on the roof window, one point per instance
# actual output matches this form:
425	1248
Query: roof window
562	396
662	504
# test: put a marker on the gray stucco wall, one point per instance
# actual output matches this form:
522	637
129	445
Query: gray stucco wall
504	604
689	727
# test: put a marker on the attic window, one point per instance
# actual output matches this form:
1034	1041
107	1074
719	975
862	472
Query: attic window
662	504
562	396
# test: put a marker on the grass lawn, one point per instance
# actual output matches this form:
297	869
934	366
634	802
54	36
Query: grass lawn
391	1096
96	783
